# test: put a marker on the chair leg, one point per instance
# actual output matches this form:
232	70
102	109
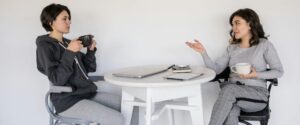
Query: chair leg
264	122
50	121
56	122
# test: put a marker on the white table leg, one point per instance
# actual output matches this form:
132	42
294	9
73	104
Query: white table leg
125	108
196	114
148	107
171	116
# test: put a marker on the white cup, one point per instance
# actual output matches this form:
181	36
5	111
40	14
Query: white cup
241	68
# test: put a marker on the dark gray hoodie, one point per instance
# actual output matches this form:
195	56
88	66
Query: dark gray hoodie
59	66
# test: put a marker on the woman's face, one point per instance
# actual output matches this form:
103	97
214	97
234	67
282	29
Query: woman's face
240	28
62	23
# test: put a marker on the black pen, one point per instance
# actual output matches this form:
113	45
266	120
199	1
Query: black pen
171	66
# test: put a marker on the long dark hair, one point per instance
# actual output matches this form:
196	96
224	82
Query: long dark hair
252	18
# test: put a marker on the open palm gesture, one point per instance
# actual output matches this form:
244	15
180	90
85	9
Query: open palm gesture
196	45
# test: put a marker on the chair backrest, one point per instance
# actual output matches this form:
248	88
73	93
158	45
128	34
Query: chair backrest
224	75
49	106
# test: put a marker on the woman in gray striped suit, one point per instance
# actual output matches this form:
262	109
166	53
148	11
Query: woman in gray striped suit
248	44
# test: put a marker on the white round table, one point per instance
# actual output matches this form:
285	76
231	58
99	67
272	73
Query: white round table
156	89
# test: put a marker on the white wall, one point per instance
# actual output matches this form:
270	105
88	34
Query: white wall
140	32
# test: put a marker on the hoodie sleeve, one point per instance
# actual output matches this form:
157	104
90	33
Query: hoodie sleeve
89	60
58	71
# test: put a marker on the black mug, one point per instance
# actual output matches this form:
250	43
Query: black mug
86	40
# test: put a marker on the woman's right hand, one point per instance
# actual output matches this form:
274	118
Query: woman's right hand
196	45
75	46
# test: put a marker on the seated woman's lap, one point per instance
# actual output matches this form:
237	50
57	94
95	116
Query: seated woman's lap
94	111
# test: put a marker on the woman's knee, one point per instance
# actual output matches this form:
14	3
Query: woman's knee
228	89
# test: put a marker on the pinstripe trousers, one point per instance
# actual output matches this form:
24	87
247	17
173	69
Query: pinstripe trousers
226	109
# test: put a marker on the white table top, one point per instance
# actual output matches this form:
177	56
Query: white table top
158	80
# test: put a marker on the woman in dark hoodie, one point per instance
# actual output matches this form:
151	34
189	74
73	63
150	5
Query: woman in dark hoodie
62	62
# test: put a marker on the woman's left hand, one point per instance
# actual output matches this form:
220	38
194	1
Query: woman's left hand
251	75
92	46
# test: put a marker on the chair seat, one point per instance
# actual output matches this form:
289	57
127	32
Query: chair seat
260	115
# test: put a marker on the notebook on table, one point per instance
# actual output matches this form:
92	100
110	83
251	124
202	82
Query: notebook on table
184	76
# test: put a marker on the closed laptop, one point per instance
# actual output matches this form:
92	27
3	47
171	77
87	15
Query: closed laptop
141	73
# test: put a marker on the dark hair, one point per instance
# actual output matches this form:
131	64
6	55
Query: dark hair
252	18
50	13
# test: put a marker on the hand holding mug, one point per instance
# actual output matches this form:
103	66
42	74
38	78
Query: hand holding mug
244	70
86	40
251	75
75	46
241	68
93	45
